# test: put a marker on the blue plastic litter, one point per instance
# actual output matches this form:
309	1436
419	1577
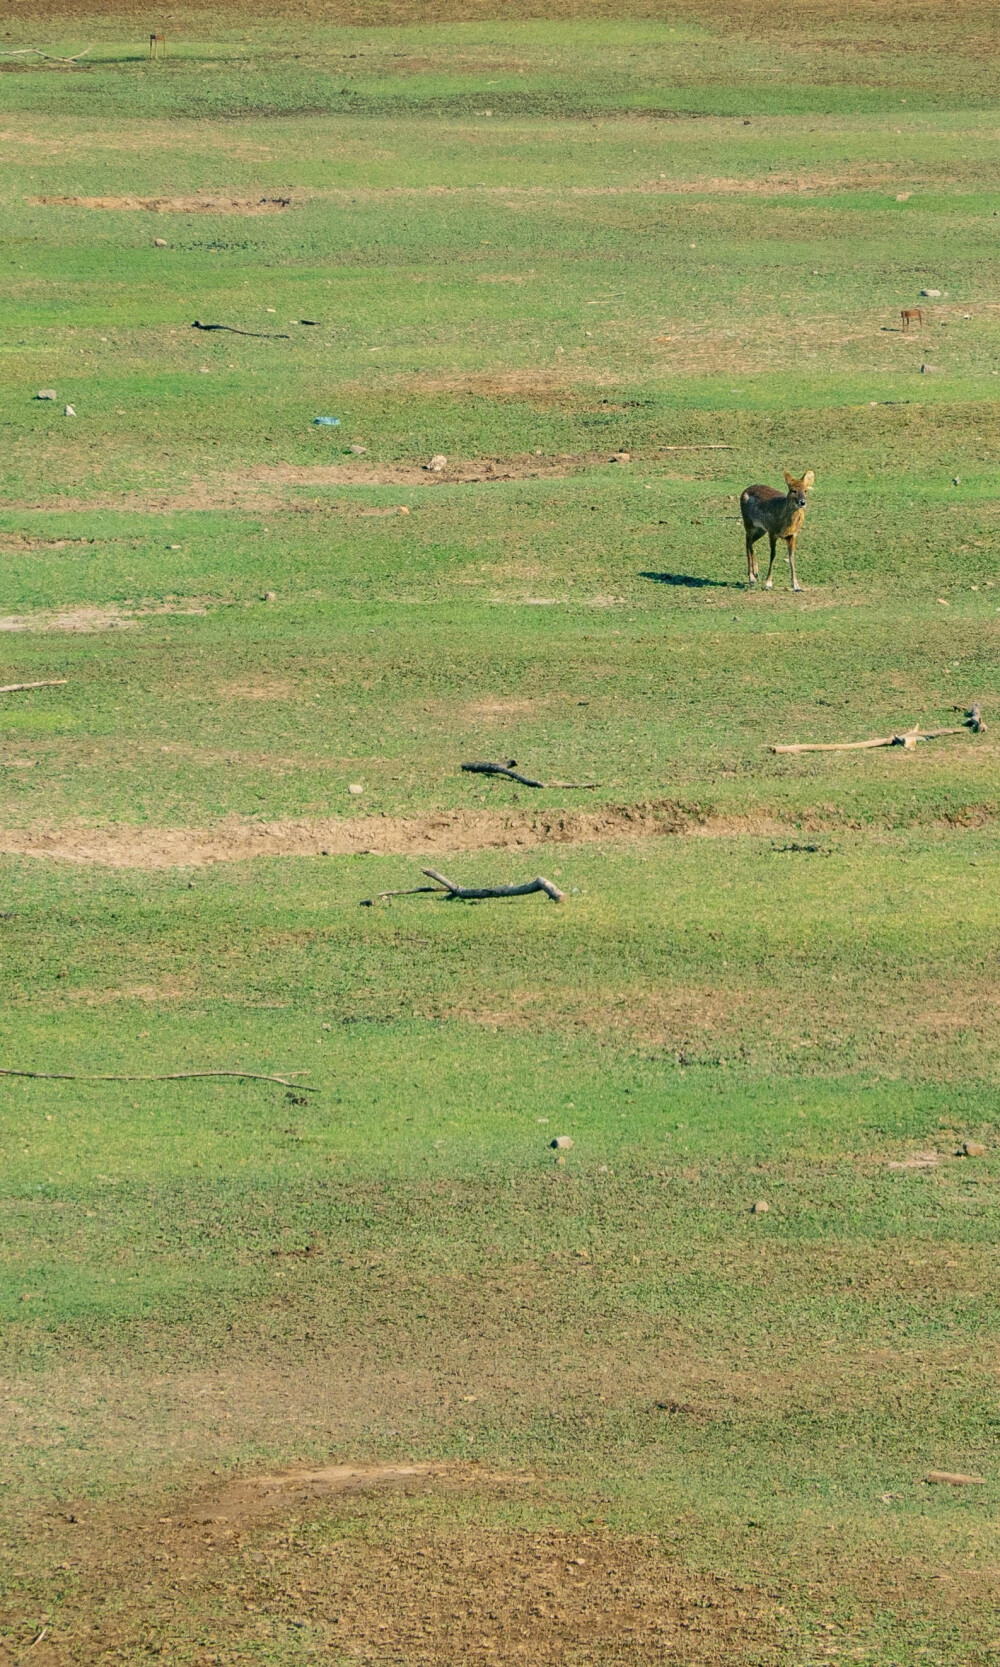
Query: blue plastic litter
327	422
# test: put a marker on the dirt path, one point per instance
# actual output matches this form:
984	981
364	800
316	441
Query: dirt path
236	840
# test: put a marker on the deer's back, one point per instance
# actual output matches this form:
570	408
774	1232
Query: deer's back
762	504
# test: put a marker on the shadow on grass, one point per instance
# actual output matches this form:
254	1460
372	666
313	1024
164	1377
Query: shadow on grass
690	581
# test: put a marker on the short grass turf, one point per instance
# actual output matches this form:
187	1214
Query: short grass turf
528	245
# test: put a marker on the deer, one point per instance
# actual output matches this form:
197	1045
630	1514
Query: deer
908	314
780	515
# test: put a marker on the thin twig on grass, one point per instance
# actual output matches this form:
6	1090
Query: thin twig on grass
907	738
169	1076
262	335
508	769
408	891
49	683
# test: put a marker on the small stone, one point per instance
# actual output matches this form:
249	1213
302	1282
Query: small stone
46	393
403	509
204	370
270	596
159	243
437	463
760	1208
358	451
971	1149
173	546
930	292
929	370
562	1142
355	788
903	196
622	457
69	410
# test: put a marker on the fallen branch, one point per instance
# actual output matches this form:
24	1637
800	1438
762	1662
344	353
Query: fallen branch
974	719
452	890
473	892
49	683
36	52
170	1076
907	738
508	769
262	335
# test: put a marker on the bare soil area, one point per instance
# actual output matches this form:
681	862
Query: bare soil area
384	1579
237	840
171	205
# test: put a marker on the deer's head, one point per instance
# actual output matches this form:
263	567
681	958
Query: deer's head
797	489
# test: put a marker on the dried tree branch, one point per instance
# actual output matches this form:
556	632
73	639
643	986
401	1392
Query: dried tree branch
262	335
49	683
36	52
170	1076
474	892
907	738
508	769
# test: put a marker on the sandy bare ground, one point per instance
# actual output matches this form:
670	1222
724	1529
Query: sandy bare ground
437	834
171	205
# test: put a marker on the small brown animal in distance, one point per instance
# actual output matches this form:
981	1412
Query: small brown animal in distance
157	46
908	315
780	515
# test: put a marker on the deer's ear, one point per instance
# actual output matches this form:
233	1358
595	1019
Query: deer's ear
808	480
789	479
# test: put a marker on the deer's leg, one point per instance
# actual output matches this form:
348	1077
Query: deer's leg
752	537
790	541
768	582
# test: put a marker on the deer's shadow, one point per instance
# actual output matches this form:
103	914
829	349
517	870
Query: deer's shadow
689	580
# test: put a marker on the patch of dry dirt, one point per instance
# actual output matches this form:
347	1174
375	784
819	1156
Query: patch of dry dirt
74	619
172	205
777	183
251	1498
271	488
379	1575
236	840
356	473
97	619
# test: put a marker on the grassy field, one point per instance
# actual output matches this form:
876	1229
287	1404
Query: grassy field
580	1405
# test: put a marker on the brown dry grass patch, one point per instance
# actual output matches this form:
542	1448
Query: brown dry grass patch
669	1017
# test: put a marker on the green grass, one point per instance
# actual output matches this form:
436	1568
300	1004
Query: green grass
685	233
